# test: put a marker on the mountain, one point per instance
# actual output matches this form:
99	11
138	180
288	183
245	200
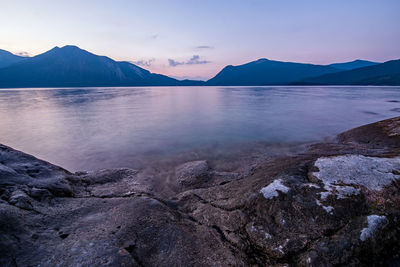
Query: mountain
268	72
7	58
387	73
72	66
353	64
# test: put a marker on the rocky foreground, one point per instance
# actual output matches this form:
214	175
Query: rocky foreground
335	203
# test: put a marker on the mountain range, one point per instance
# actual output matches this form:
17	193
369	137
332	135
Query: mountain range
70	66
387	73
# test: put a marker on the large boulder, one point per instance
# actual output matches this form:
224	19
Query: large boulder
192	173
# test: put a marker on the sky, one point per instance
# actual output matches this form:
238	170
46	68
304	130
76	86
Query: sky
196	39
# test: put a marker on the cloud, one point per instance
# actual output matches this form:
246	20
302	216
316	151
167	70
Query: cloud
193	78
154	36
144	63
204	47
22	54
194	60
174	63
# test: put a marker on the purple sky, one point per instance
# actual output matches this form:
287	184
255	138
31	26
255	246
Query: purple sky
195	39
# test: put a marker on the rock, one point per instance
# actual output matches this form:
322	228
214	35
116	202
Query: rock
20	199
376	135
39	194
107	176
273	188
192	173
335	203
372	173
374	223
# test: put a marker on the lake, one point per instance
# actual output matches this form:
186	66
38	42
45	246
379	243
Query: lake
95	128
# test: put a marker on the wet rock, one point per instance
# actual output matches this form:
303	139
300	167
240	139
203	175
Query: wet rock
19	199
375	135
107	176
192	173
39	194
332	204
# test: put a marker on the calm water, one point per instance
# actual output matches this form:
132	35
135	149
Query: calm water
93	128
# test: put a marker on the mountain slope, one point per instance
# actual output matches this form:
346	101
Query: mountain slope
72	66
387	73
353	64
268	72
7	58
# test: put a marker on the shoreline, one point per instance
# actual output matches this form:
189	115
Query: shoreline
273	211
158	86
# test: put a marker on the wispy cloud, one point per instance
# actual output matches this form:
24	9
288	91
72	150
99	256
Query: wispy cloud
204	47
174	63
22	54
194	60
144	63
154	36
194	78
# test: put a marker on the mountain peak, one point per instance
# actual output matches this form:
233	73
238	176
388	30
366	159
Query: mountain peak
358	60
70	47
358	63
67	51
67	48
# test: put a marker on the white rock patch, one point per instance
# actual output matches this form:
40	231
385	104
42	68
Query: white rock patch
328	209
374	223
342	175
272	189
311	185
345	191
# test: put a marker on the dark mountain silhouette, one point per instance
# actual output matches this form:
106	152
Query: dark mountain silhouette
268	72
387	73
7	58
353	64
72	66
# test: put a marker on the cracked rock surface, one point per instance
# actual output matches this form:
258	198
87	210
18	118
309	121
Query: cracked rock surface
331	204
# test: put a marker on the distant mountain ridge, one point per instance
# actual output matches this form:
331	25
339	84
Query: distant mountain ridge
267	72
358	63
70	66
387	73
7	58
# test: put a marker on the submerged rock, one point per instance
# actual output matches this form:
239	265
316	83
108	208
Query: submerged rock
337	203
192	173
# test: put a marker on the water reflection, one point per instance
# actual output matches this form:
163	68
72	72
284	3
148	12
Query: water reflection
92	128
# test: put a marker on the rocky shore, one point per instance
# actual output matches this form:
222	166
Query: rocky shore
332	204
